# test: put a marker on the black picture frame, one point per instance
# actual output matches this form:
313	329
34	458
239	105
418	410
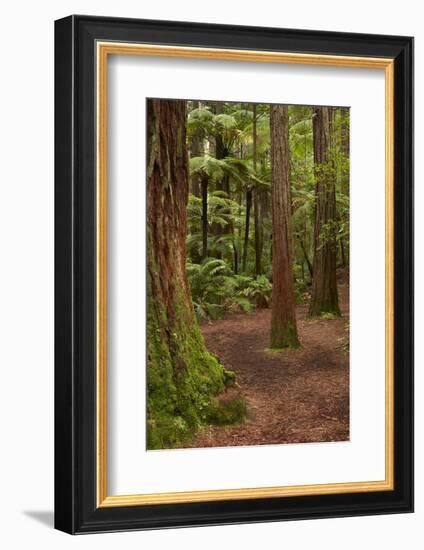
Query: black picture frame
75	275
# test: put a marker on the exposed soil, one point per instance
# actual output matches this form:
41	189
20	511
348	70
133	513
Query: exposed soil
293	396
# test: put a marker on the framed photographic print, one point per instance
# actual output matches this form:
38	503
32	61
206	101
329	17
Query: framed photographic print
233	274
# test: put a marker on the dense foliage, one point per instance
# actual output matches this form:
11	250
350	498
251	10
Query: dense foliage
229	241
248	207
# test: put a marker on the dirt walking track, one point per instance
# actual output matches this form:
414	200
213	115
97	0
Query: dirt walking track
293	396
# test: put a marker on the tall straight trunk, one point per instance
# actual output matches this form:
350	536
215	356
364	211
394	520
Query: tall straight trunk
256	204
181	375
264	209
237	250
204	192
248	201
221	152
224	183
324	297
196	150
247	226
283	318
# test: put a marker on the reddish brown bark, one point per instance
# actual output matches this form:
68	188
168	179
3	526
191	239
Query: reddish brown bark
324	297
182	375
167	195
283	319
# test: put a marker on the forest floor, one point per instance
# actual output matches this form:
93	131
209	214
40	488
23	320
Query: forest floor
293	396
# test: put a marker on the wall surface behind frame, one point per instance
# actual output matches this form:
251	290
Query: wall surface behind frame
26	275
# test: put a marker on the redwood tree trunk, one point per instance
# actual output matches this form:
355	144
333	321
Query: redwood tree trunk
181	375
324	297
283	319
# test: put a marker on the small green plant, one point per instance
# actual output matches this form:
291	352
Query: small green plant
216	290
257	291
276	351
222	413
210	284
328	315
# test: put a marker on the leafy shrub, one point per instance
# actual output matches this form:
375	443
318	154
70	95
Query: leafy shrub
213	289
222	212
216	290
257	291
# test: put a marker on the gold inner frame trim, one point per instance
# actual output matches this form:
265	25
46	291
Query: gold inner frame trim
103	50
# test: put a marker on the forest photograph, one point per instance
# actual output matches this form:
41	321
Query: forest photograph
247	273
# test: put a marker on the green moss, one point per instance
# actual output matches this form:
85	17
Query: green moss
182	378
222	413
284	337
328	315
229	378
325	309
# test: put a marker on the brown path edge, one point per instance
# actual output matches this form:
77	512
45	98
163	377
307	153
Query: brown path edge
293	396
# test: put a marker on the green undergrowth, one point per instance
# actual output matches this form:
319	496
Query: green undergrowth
283	336
222	413
324	315
329	315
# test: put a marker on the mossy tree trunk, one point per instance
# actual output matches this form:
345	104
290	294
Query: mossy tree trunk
182	375
324	297
283	318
